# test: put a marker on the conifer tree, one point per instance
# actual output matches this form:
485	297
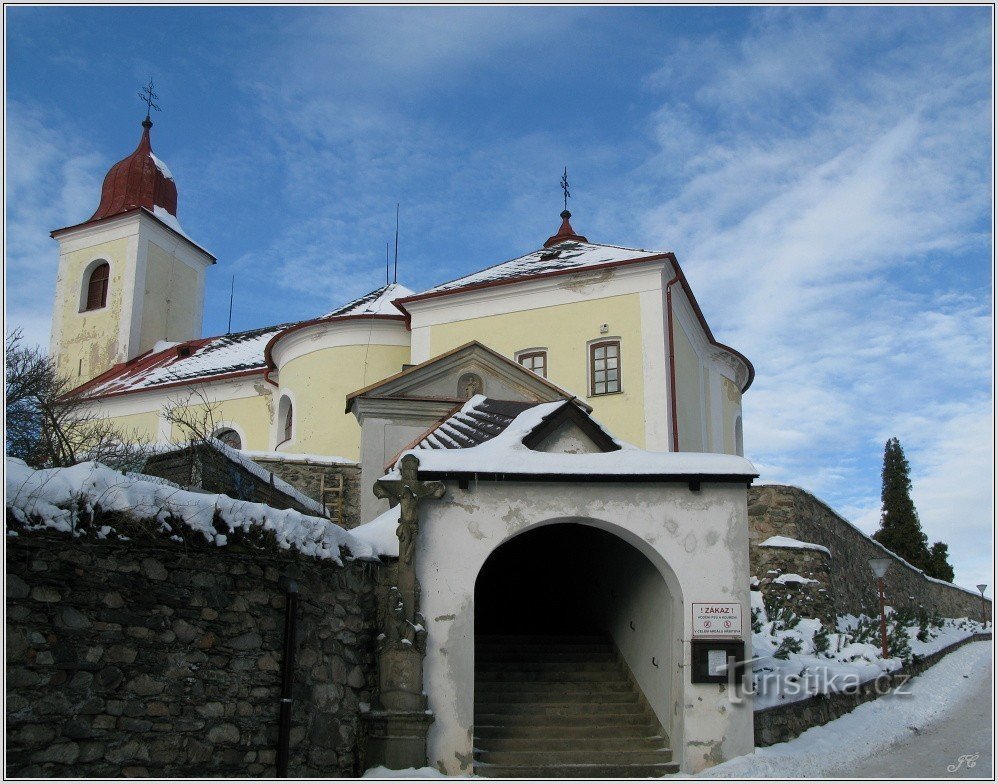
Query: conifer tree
939	565
900	531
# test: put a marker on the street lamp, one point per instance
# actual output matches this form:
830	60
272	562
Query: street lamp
984	605
879	568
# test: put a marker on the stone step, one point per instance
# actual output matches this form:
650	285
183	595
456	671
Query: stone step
533	742
581	708
492	669
543	648
524	672
575	757
555	693
548	722
513	729
576	771
541	690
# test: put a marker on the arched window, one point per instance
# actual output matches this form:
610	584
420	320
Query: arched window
97	286
288	421
230	437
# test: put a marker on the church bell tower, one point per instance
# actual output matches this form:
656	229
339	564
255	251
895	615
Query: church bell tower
129	277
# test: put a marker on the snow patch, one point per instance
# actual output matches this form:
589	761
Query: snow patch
794	544
297	457
162	167
786	579
380	534
49	498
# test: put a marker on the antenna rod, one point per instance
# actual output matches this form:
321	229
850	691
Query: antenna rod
396	278
232	288
387	263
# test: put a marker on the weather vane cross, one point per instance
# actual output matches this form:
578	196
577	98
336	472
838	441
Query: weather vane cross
148	97
564	187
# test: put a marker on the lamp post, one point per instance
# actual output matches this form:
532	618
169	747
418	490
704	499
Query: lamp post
879	568
984	605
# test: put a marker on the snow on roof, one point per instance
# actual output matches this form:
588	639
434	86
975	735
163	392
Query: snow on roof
237	352
558	258
478	421
171	220
377	302
795	544
209	357
505	453
297	457
380	534
47	498
161	166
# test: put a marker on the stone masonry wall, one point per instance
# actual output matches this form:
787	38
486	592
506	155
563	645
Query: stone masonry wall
155	658
809	599
307	477
781	510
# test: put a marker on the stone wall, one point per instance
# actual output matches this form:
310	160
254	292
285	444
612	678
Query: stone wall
785	722
781	510
809	598
307	477
202	468
150	657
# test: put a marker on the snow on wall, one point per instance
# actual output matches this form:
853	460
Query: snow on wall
794	544
47	498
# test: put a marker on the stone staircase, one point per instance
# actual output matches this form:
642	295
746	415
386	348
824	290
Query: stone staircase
562	707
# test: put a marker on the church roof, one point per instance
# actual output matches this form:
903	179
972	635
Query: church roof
223	356
565	256
140	180
173	364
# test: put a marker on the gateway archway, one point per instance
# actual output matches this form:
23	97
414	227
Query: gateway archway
573	657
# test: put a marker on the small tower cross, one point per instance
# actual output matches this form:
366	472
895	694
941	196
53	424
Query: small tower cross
564	187
148	97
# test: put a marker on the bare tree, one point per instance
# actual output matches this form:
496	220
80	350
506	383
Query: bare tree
48	425
195	416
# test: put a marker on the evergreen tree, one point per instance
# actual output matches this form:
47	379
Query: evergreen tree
900	531
939	565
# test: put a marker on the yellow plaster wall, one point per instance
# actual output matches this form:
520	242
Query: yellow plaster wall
731	402
251	415
170	306
688	386
141	427
87	343
565	330
319	383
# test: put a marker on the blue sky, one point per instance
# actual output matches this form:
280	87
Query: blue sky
823	175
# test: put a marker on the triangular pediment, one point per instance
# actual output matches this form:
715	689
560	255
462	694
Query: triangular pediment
571	431
458	375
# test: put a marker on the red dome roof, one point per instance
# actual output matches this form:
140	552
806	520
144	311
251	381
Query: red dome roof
140	180
566	233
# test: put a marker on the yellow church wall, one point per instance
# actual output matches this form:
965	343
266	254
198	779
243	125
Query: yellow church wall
688	372
249	416
568	351
139	428
170	307
731	403
318	384
88	340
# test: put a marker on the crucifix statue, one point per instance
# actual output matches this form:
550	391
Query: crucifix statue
564	187
402	642
408	491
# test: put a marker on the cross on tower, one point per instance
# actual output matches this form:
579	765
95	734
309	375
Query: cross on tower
564	187
148	97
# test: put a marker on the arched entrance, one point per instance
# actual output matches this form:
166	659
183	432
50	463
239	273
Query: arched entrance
574	657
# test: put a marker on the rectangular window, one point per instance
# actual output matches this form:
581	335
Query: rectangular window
604	367
536	361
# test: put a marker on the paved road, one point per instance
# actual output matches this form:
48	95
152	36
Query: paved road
934	749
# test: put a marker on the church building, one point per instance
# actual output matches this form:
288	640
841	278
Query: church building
555	441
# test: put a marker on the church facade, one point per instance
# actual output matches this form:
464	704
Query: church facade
553	444
618	328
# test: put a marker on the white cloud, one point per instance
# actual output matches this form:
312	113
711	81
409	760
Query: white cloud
53	180
829	214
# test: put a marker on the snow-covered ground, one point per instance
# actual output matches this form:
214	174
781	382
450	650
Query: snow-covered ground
845	659
935	703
